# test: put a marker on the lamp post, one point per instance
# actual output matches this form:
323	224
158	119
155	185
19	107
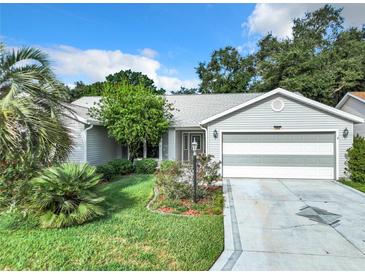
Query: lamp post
194	146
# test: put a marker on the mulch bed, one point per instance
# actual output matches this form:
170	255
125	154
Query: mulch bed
204	206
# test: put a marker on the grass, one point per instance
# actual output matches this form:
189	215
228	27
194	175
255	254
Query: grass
130	237
355	185
212	204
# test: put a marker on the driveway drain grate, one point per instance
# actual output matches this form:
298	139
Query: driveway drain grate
319	215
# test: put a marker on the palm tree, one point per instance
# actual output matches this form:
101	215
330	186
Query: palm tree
30	108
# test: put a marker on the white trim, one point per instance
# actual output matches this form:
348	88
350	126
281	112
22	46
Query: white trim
346	97
277	131
206	138
292	95
84	136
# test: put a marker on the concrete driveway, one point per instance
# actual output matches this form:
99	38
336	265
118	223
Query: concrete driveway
284	224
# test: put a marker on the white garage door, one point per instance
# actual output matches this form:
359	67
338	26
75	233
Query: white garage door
279	155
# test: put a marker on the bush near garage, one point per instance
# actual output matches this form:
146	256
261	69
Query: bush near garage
356	160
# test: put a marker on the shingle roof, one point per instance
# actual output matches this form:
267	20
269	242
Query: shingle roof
189	109
192	109
76	112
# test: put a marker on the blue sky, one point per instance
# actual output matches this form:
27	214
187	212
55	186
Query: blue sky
165	41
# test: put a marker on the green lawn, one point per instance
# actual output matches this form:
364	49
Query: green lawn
130	237
358	186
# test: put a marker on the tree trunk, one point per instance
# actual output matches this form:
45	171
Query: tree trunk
144	149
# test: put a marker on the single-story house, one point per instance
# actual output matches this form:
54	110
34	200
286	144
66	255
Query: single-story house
354	103
278	134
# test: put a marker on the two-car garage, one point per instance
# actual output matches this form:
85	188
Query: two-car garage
281	134
307	155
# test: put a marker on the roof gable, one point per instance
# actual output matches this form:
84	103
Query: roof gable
291	95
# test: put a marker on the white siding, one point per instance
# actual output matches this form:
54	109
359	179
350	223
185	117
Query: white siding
101	148
76	128
294	116
356	107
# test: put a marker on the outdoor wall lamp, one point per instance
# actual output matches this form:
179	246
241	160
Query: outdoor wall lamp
215	134
345	133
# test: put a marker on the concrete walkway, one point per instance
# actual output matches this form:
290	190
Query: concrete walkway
263	230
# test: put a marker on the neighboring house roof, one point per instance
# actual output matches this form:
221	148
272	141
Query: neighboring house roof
358	95
291	95
192	109
79	113
87	101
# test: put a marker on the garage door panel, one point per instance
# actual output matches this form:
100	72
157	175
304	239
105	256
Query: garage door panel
279	155
278	172
278	138
279	148
279	160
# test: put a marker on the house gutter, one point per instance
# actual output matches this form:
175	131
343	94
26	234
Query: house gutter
206	137
84	134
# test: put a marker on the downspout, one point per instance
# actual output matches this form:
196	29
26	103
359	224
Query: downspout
84	133
206	138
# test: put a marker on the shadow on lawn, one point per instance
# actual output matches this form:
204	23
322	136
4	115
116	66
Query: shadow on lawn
116	198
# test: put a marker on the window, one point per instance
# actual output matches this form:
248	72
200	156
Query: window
185	141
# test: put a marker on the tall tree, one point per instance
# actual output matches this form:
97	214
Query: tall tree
322	61
128	77
30	108
226	72
122	111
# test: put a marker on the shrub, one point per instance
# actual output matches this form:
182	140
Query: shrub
208	169
121	167
14	177
66	195
146	166
356	160
14	218
168	179
107	171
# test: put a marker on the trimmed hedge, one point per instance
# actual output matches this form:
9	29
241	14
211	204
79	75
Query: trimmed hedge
106	170
122	167
356	160
146	166
114	168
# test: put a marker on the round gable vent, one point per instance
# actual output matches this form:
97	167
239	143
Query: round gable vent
277	105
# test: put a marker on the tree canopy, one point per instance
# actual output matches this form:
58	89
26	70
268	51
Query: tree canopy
321	60
128	77
226	72
123	111
30	109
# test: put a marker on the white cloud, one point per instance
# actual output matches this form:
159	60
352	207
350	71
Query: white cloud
277	18
149	53
92	65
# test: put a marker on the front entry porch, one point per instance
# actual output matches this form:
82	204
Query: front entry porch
176	144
